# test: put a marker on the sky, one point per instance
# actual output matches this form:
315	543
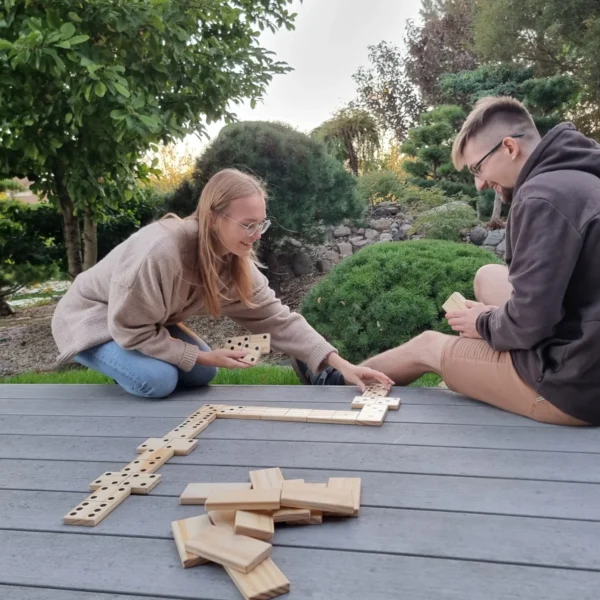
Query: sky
326	48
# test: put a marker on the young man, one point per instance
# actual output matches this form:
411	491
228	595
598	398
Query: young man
531	344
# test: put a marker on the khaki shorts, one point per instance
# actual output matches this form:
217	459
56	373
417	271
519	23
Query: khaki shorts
470	367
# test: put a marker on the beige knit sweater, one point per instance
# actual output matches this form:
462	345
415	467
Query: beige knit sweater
146	283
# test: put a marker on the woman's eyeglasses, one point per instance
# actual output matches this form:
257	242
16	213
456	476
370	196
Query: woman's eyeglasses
251	228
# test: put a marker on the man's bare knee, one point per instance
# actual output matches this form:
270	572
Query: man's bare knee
431	345
491	285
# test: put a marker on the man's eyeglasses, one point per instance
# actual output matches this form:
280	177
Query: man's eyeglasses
251	228
476	168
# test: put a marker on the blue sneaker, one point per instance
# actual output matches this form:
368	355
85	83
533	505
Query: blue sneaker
328	376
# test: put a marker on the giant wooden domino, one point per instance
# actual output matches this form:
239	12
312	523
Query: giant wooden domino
455	302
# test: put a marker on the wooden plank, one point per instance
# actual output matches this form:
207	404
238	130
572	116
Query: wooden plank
417	532
265	581
564	439
266	499
71	417
10	592
218	394
239	552
557	466
255	524
185	529
442	493
264	479
197	493
137	566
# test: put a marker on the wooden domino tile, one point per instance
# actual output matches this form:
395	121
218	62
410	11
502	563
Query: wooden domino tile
185	529
289	515
252	412
148	462
142	483
264	479
344	417
267	499
362	401
318	498
260	341
348	483
320	416
238	552
264	581
197	493
252	357
229	412
223	518
109	478
274	414
456	301
90	512
372	414
258	525
298	414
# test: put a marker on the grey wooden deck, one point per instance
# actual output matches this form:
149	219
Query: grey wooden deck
460	500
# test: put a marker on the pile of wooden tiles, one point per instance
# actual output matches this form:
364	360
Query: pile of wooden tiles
238	529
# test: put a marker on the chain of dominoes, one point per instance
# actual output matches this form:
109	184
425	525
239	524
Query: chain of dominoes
237	531
139	476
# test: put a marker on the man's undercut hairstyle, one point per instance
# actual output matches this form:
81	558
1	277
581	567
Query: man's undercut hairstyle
493	112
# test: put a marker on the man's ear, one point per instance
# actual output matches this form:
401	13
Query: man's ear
514	150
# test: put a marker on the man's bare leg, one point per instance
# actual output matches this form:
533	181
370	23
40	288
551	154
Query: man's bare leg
491	285
404	364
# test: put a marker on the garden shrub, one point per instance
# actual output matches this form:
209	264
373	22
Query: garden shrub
388	293
446	222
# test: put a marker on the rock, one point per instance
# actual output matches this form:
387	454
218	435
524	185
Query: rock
356	240
345	249
371	234
494	237
341	231
478	235
381	224
501	247
324	265
294	242
401	233
332	256
385	237
490	248
301	264
360	244
360	231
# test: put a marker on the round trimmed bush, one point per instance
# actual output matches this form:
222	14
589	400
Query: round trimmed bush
388	293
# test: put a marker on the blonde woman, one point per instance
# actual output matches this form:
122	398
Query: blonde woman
123	317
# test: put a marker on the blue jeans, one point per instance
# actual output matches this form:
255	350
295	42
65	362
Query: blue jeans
143	375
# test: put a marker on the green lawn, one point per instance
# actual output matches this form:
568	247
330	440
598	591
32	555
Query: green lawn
261	375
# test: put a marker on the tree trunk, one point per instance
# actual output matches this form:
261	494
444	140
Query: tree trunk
70	227
5	308
90	241
352	158
497	210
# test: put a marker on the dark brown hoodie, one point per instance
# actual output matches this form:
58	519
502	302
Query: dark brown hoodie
551	324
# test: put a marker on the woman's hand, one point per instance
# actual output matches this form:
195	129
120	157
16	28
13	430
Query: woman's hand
229	359
357	375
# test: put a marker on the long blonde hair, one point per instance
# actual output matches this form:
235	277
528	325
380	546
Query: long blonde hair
221	190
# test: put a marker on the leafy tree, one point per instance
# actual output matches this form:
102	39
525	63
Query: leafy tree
307	186
352	135
554	37
86	88
547	98
441	43
386	91
24	260
430	146
386	294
